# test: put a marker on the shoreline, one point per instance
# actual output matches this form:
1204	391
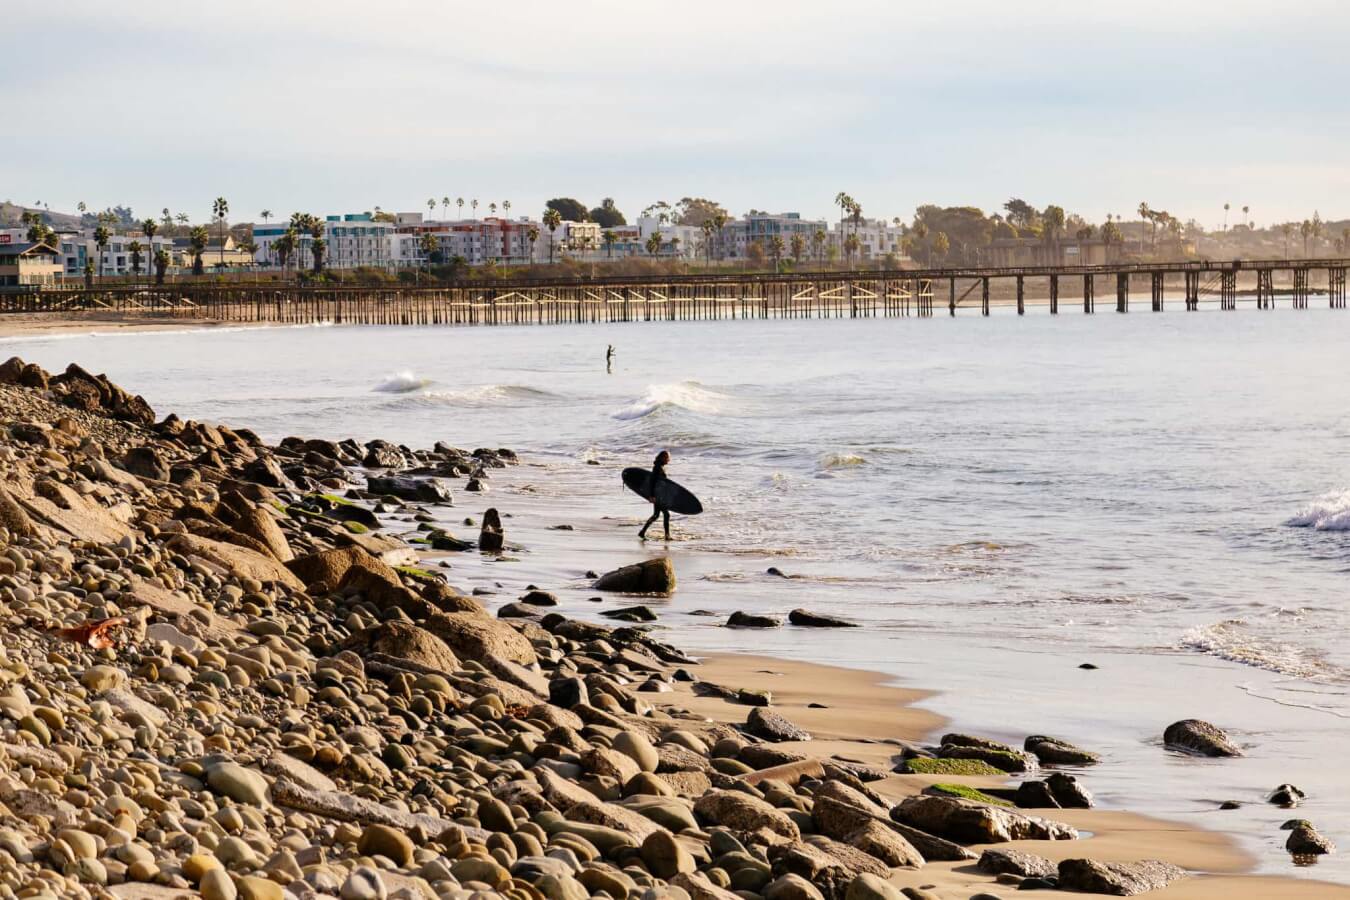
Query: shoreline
850	728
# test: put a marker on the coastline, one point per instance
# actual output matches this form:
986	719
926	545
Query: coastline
865	708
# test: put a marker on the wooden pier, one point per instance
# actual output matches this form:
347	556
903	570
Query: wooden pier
800	295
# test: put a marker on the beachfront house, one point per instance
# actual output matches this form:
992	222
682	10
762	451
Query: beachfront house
25	263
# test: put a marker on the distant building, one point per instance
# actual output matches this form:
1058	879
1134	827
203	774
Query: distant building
476	241
877	238
216	255
26	263
736	237
1067	251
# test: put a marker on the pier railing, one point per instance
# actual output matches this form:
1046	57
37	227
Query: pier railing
720	295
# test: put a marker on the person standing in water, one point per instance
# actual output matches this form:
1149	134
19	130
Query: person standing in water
654	491
609	360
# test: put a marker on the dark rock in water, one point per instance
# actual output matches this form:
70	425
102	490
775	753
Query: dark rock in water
1291	824
562	528
1055	752
539	598
491	538
998	755
1067	792
475	485
1116	879
775	571
1305	840
814	705
740	619
444	540
1286	795
1088	666
568	692
266	472
1028	865
630	614
383	455
807	619
770	726
146	462
1230	804
1038	884
1200	738
591	573
651	576
518	611
423	490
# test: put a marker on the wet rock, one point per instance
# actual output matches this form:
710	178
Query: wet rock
807	619
631	614
770	726
420	490
1055	752
1286	795
975	823
651	576
999	755
539	598
1200	738
1116	879
491	536
1305	840
740	619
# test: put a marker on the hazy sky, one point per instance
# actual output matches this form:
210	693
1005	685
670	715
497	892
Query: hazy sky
343	105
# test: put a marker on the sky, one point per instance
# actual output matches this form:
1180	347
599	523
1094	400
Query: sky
342	105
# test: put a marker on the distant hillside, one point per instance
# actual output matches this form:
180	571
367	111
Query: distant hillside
11	216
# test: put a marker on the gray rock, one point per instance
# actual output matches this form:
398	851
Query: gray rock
807	619
1117	879
770	726
240	784
651	576
1028	865
740	619
976	823
1055	752
1199	738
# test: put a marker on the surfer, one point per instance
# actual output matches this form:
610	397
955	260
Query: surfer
658	508
609	359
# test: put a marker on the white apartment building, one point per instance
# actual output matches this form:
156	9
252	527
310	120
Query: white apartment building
876	238
476	241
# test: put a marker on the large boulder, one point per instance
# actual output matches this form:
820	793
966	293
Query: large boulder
1015	862
1200	738
13	517
651	576
473	636
262	526
742	812
976	823
1305	840
322	572
839	819
146	462
421	490
1055	752
240	561
491	536
770	726
1116	879
16	371
405	641
95	393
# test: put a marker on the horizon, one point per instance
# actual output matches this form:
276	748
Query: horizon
1186	109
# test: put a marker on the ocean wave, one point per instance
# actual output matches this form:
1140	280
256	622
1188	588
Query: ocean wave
1330	512
401	383
485	396
151	327
1234	641
685	395
842	460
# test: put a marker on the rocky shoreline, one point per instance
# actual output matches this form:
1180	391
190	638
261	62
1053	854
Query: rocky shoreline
223	677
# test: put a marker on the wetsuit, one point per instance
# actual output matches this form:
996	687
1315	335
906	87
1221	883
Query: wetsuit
658	476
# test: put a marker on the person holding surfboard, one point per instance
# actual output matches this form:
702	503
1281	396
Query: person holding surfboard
664	495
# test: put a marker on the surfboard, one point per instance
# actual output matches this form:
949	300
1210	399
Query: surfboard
672	496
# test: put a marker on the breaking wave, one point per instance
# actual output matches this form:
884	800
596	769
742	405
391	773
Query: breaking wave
1330	512
842	461
686	395
1232	640
404	382
488	395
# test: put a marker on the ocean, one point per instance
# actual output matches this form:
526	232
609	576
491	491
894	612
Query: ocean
996	500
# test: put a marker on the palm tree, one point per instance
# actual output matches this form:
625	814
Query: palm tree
609	237
459	201
776	250
492	208
941	245
473	205
429	244
818	240
654	243
197	240
221	209
445	206
1225	217
183	218
850	246
135	248
532	234
1245	218
431	207
798	248
1286	229
161	260
1318	228
265	215
921	232
284	247
101	236
552	219
506	209
1144	215
1306	229
81	207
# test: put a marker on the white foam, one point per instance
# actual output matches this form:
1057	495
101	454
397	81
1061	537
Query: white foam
488	395
402	383
1330	512
1234	641
686	395
842	460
